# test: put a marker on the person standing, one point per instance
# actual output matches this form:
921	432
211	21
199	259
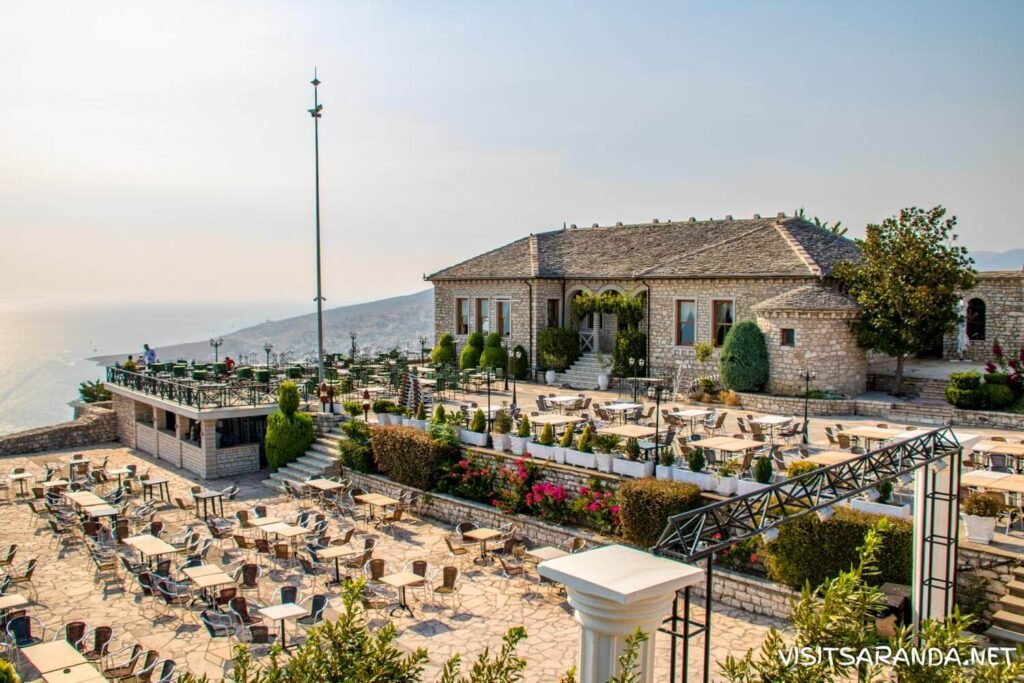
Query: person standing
148	355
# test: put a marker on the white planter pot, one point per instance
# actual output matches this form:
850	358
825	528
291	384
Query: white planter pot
638	469
726	486
602	381
900	511
501	441
745	486
663	472
604	461
580	459
383	418
520	444
980	529
705	481
540	451
418	424
558	454
473	438
549	376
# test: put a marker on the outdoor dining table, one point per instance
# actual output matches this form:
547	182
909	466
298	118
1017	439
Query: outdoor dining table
693	414
284	530
119	472
981	478
622	408
11	601
287	610
150	546
482	534
99	511
630	431
1008	483
71	466
552	419
323	484
162	485
831	457
214	497
728	444
20	477
58	660
262	522
207	576
55	484
375	500
548	552
84	499
401	581
772	422
563	402
870	434
335	552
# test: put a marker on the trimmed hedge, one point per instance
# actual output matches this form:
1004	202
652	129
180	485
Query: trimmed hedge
355	452
743	363
287	437
557	348
408	455
444	352
493	355
996	396
809	550
470	356
646	505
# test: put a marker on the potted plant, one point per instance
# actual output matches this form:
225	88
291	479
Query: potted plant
544	449
476	435
553	363
695	474
605	446
663	470
564	445
882	504
762	477
603	378
632	465
500	430
980	511
583	454
523	436
419	418
727	479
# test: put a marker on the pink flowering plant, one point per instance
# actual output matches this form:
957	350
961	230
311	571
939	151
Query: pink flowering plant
745	556
513	485
549	502
596	507
468	478
1007	364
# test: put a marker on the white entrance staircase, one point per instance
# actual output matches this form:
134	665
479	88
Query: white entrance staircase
583	373
321	460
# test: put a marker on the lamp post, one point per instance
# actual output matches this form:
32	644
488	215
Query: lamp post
423	349
640	362
488	398
633	365
519	357
315	113
657	423
352	335
215	343
504	347
808	376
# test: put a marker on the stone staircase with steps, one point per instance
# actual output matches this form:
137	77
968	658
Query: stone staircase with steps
583	373
1008	622
319	461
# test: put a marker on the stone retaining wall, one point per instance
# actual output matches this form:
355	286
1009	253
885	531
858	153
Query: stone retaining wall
789	405
990	563
570	477
94	423
749	593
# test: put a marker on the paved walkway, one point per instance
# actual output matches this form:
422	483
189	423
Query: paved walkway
491	604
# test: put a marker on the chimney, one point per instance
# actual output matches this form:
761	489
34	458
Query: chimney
595	225
693	219
618	224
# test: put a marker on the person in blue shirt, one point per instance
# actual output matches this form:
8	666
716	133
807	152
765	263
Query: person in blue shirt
149	355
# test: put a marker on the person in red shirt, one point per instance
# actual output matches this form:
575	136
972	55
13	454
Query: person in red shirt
230	362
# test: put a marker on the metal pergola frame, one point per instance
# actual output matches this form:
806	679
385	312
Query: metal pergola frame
697	535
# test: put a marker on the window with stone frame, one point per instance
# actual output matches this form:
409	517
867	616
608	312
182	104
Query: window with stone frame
686	322
554	318
483	316
976	320
504	322
462	316
721	320
787	336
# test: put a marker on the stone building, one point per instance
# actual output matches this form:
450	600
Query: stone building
697	279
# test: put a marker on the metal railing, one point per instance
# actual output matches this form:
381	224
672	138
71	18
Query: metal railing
202	394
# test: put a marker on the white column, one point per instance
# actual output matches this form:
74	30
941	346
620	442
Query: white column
614	590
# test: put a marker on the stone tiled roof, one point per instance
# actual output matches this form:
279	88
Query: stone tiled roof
757	247
808	298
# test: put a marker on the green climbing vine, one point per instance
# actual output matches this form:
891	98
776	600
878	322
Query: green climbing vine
628	309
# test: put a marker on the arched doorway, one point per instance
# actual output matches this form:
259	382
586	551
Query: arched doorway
976	320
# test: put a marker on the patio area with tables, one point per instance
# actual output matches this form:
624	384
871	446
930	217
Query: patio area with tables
178	592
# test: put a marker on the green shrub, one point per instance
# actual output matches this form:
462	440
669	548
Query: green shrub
444	352
353	408
356	456
702	351
607	443
809	550
696	459
666	458
743	363
799	467
93	392
519	363
408	455
8	673
502	422
470	356
438	417
762	470
287	398
632	449
965	380
287	437
262	375
996	396
997	378
628	344
524	431
294	372
966	399
243	372
584	443
421	411
381	406
566	440
493	356
884	492
983	504
646	505
479	423
547	436
557	348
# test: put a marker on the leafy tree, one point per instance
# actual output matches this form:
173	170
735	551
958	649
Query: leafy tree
743	362
506	666
836	229
908	283
289	433
93	392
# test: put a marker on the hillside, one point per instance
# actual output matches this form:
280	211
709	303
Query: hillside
1012	259
379	325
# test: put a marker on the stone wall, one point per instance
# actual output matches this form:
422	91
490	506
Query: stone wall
1003	294
445	294
237	460
93	424
568	476
823	342
749	593
787	405
124	407
145	438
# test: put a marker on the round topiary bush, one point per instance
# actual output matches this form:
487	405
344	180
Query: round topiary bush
493	355
646	505
519	363
743	363
444	352
996	396
289	433
470	356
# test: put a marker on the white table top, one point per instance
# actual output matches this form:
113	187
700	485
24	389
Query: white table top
403	579
692	412
564	399
53	656
21	475
623	406
772	420
287	610
12	600
150	545
548	552
286	530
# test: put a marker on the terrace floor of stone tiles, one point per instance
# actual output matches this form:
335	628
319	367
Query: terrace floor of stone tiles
490	604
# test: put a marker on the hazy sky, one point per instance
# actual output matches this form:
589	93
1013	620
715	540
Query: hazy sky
162	151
